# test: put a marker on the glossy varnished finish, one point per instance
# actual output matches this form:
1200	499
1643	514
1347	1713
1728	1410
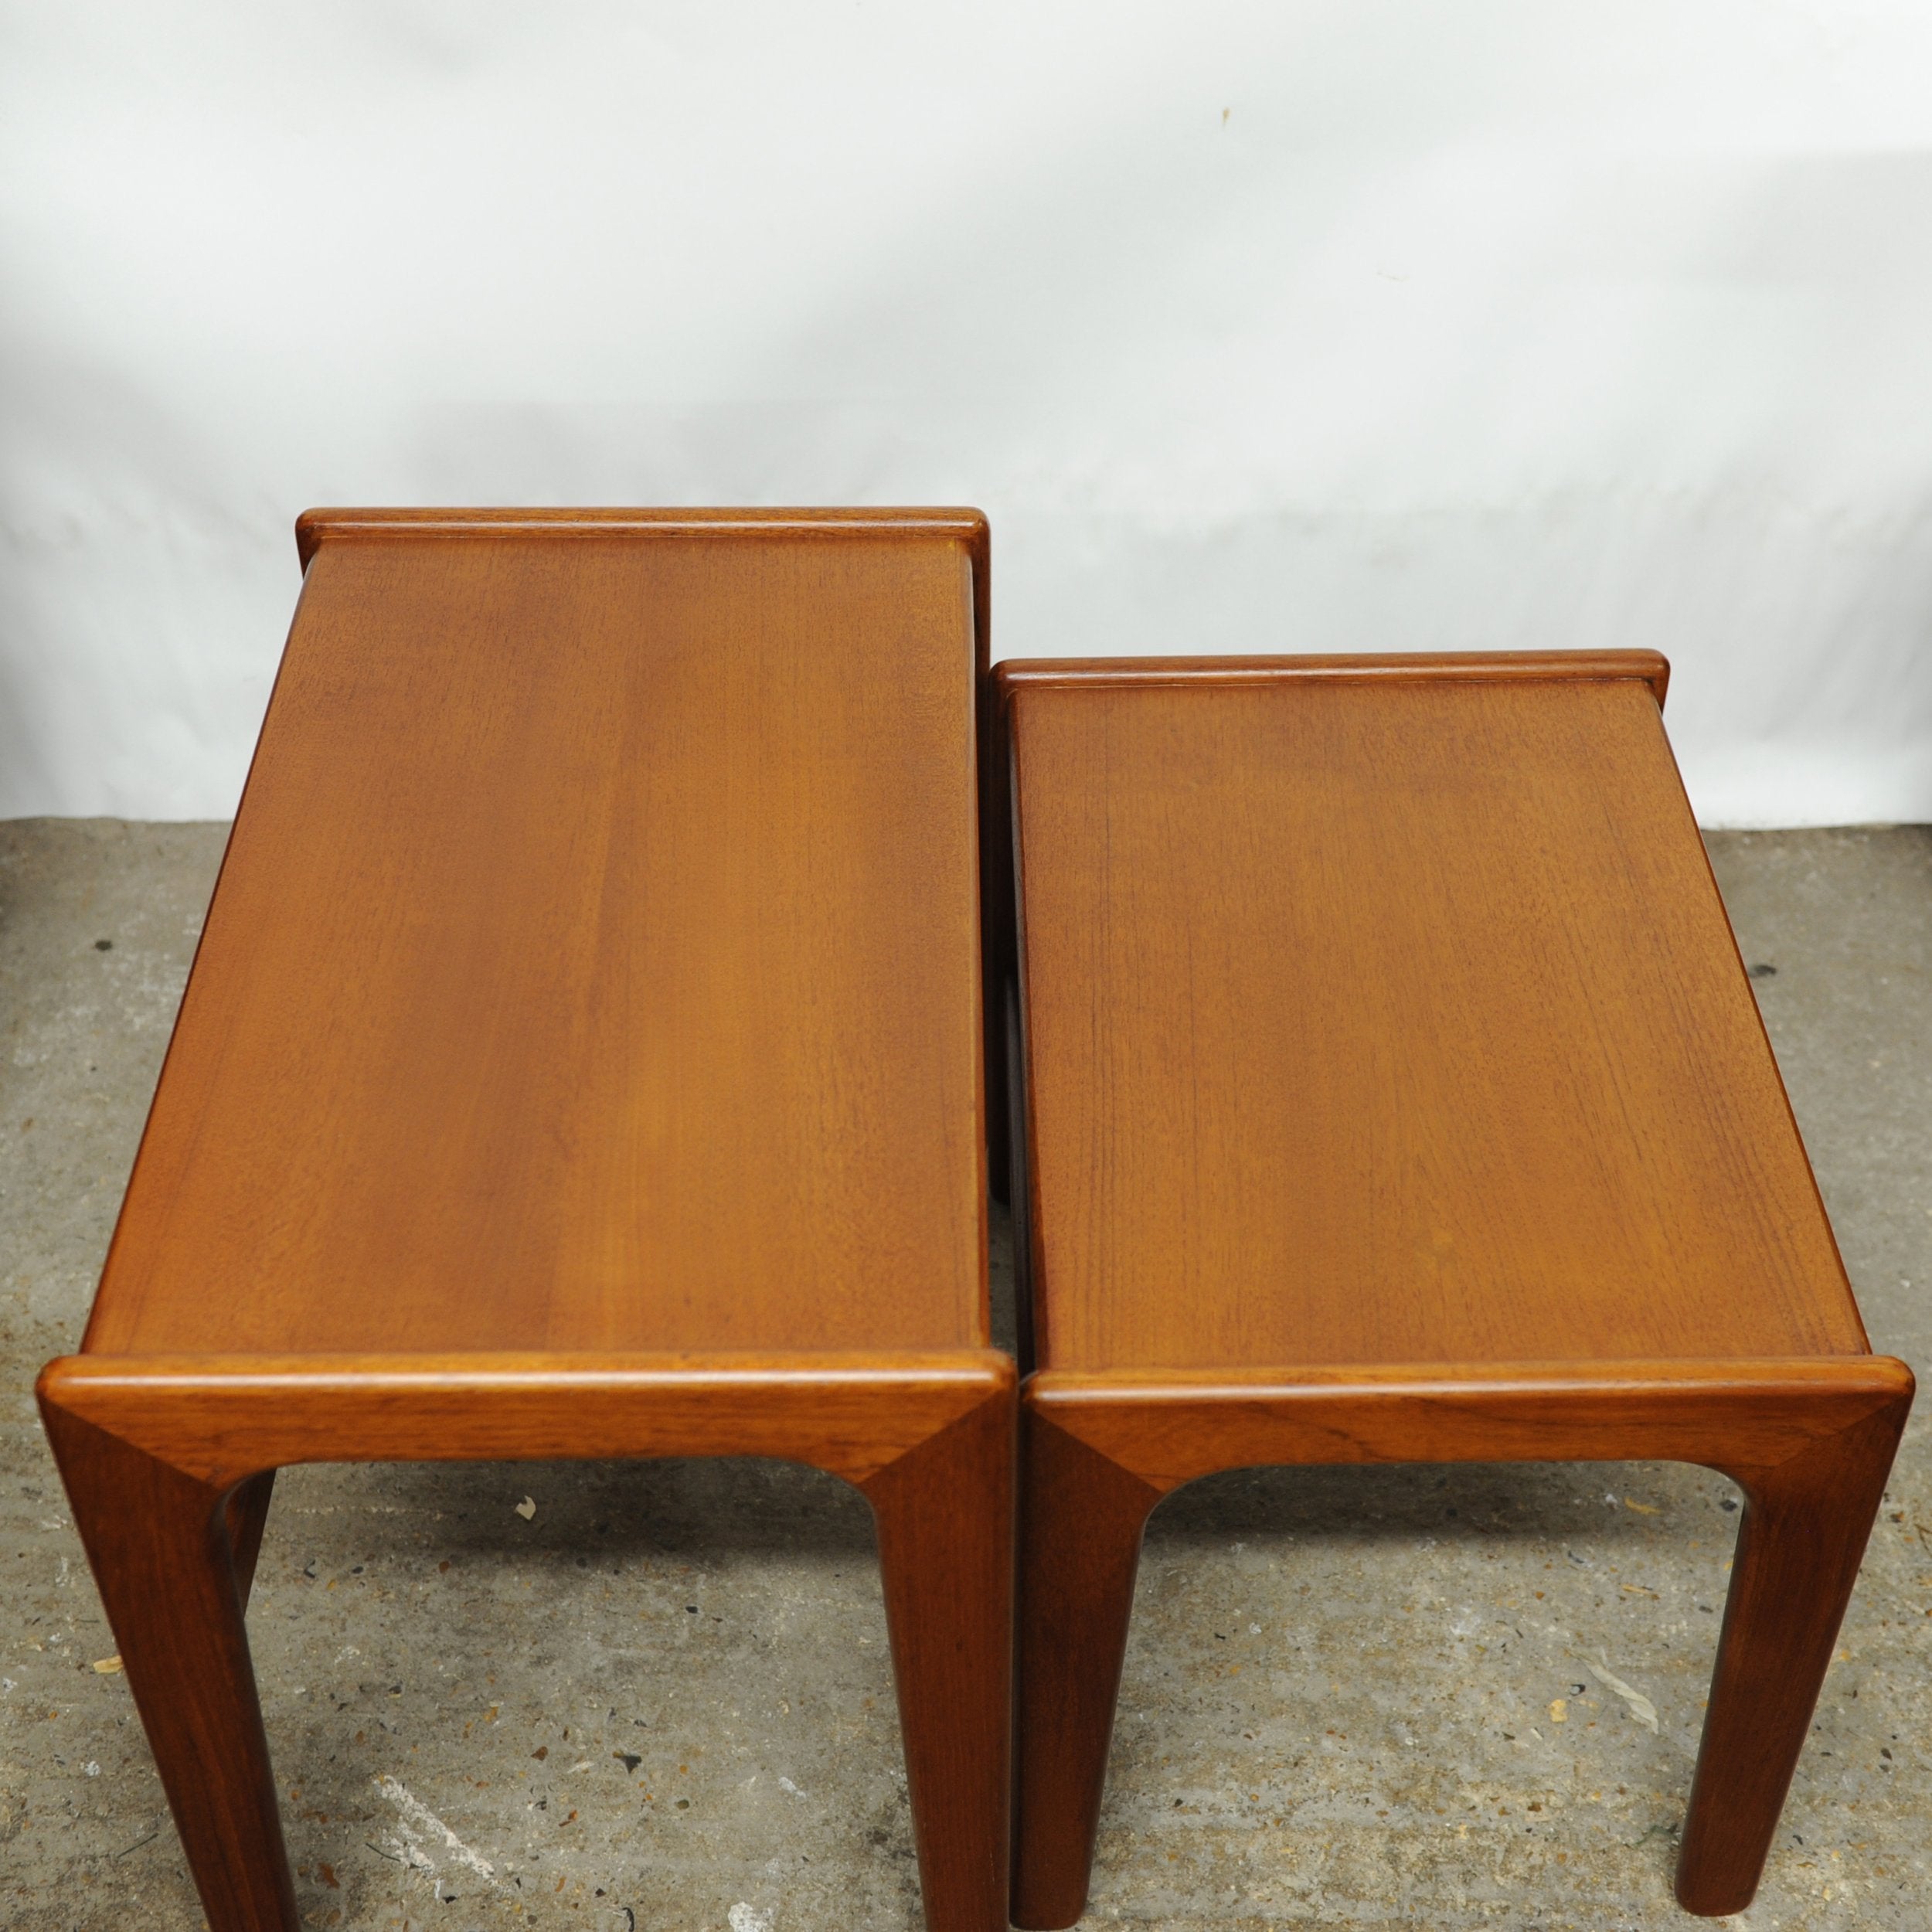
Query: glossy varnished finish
594	965
1395	1021
160	1456
220	1418
1393	1091
583	1059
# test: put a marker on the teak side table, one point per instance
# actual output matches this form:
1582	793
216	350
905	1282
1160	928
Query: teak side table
1390	1089
582	1059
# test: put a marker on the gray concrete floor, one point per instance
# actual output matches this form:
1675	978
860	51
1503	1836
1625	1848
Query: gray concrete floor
1354	1698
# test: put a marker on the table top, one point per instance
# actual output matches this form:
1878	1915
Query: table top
1385	1011
594	965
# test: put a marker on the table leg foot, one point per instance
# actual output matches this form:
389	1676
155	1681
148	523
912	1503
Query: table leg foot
1798	1551
945	1516
172	1555
1081	1519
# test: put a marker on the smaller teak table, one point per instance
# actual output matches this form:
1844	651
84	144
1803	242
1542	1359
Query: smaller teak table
582	1059
1390	1090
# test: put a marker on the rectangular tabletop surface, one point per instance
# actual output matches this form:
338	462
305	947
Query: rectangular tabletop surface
595	963
1378	1017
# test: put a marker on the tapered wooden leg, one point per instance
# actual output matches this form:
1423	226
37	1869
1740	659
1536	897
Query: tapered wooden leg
159	1543
945	1516
1798	1555
1081	1519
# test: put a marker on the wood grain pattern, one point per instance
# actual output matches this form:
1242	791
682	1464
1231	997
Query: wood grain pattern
583	1058
218	1418
1809	1442
945	1516
1081	1517
1392	1091
1379	1018
1805	1524
1756	1413
595	961
153	1453
173	1583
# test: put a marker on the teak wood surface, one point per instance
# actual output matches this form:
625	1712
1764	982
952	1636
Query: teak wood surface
582	1059
1389	1088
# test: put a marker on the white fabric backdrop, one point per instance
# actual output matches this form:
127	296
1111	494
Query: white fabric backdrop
1253	324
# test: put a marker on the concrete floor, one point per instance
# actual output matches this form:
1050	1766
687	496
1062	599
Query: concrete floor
1354	1698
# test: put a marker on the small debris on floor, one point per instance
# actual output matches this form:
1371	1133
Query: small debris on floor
1641	1707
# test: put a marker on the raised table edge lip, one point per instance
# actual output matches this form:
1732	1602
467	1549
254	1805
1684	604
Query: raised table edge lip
1879	1374
1011	675
315	527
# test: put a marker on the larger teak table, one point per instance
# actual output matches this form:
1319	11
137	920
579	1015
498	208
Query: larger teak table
581	1059
1392	1091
